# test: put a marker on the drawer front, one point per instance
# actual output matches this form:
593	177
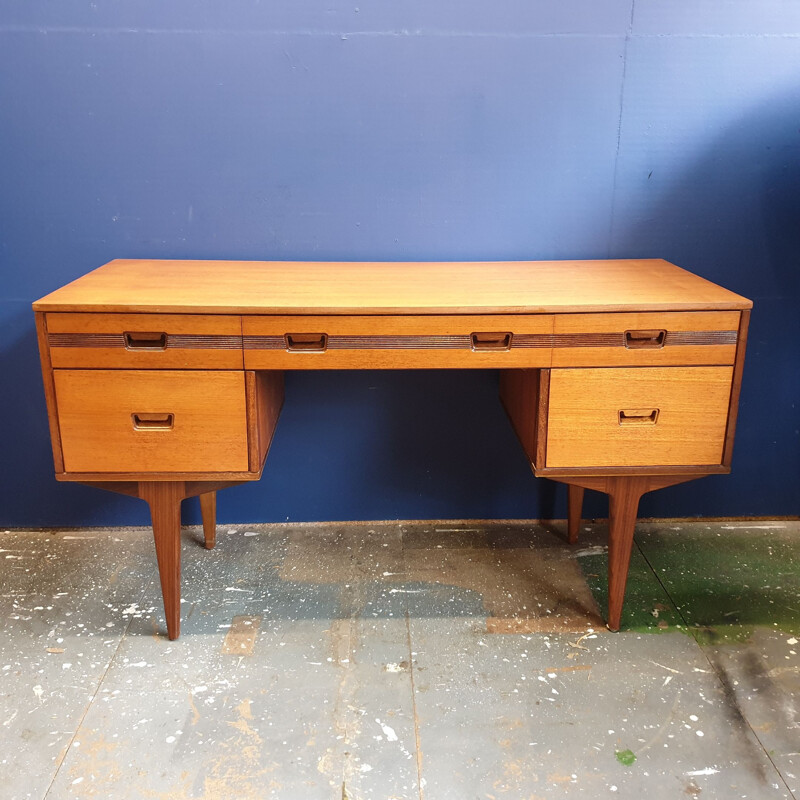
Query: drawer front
645	339
152	421
403	342
670	416
145	341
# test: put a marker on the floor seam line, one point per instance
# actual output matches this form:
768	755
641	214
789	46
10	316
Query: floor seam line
715	669
415	718
417	749
91	701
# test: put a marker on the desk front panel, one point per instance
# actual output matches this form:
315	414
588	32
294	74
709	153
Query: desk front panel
397	342
145	341
637	417
125	421
663	338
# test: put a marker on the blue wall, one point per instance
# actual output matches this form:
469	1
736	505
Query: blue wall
402	129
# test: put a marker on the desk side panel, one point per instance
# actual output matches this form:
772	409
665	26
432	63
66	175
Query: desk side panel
738	369
49	390
264	403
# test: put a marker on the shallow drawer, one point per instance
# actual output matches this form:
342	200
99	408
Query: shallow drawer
634	417
149	341
405	342
152	421
645	339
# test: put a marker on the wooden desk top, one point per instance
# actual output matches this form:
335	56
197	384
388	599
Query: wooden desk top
292	287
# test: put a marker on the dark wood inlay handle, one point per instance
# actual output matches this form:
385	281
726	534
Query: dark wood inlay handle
145	341
153	422
640	340
491	341
638	416
306	342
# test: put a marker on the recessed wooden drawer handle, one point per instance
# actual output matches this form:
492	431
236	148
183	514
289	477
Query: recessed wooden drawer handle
306	342
643	339
153	422
491	341
145	341
638	416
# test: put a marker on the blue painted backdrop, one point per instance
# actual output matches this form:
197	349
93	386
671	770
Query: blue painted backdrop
402	129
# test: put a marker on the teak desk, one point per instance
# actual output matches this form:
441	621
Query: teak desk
164	379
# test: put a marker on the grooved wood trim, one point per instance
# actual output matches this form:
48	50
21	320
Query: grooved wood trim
190	341
173	341
690	338
388	342
275	287
49	390
738	370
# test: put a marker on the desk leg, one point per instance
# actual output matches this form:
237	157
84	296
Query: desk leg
164	499
208	508
575	507
624	493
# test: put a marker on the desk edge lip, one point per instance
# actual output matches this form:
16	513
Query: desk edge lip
741	304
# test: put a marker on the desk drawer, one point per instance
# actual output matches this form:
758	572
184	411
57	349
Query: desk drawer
397	342
645	339
145	341
669	416
152	421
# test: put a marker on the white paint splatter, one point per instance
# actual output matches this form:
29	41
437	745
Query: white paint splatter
597	550
750	527
388	732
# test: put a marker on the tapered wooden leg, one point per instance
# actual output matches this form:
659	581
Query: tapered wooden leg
208	508
624	493
623	505
164	499
574	508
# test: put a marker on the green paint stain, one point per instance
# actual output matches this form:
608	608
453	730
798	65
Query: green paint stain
726	582
625	757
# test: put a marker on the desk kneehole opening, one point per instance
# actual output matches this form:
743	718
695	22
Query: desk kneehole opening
153	422
638	416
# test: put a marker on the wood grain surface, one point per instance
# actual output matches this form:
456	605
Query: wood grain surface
209	430
584	427
287	287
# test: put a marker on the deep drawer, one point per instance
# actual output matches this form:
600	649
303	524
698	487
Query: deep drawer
668	416
145	341
152	421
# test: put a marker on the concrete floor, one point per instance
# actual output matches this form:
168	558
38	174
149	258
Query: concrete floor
402	661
